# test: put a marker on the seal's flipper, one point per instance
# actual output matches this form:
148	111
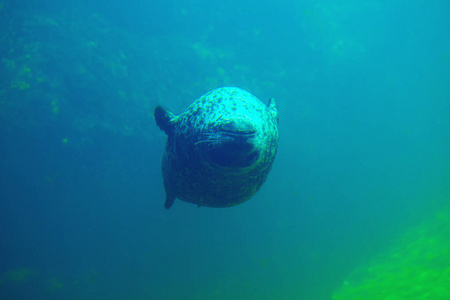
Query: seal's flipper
169	201
164	119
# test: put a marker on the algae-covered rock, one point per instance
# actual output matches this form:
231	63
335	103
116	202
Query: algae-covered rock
416	267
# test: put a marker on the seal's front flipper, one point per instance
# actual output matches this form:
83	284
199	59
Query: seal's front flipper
164	119
169	201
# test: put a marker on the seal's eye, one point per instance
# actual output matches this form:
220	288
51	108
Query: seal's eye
234	150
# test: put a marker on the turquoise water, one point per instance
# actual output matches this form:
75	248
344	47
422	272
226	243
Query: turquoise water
364	156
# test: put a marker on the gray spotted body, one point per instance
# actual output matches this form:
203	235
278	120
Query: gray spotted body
220	150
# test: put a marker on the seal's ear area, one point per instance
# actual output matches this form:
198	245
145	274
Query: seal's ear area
164	119
273	108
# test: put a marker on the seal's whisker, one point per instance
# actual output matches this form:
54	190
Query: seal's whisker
212	141
200	142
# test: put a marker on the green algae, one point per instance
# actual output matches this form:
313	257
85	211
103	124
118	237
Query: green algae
53	285
21	85
17	275
416	267
54	107
16	283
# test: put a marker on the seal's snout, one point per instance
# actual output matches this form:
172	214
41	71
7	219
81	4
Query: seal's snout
235	149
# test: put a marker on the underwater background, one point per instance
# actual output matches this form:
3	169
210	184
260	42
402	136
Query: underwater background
356	205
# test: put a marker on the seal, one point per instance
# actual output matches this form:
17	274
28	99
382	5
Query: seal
220	150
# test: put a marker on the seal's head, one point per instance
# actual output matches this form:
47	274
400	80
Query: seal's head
220	150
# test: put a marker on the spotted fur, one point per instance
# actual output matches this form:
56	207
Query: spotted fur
188	171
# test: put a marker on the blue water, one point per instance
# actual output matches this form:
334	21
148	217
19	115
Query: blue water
363	93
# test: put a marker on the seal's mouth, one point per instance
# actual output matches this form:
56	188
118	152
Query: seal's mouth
235	149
